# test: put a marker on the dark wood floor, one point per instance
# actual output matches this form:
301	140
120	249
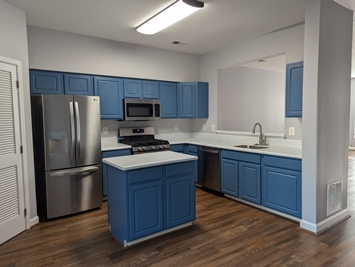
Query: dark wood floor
226	233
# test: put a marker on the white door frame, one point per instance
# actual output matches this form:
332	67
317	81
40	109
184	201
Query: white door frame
23	133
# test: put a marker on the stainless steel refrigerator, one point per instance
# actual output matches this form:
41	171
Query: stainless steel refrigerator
67	152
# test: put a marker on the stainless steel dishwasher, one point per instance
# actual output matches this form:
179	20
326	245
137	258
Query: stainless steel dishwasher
209	168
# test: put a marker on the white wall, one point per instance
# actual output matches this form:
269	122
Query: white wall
249	95
352	114
288	41
13	45
61	51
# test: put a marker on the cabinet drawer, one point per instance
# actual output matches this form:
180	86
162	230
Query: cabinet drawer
177	148
284	163
146	174
180	168
240	156
116	153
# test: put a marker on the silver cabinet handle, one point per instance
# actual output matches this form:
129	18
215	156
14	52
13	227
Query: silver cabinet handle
72	131
87	170
77	117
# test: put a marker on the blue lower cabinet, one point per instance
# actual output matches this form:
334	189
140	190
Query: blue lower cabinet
229	176
249	182
282	188
180	200
146	209
110	154
177	148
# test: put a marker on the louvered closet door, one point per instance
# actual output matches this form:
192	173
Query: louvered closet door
12	220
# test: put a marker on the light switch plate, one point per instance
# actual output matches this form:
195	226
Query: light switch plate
291	131
176	127
104	130
213	128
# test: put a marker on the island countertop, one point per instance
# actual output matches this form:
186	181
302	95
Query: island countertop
138	161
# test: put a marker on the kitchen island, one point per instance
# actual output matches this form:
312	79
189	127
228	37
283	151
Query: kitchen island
150	194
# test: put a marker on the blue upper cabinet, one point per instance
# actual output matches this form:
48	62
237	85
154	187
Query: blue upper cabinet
78	84
133	88
193	100
168	99
46	82
151	89
110	91
294	88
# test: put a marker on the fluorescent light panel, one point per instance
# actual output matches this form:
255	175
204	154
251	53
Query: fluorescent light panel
172	14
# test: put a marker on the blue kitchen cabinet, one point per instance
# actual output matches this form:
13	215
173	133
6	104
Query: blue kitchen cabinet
180	194
294	89
282	185
133	88
110	154
168	99
110	91
229	177
177	148
46	82
146	209
250	182
193	100
78	84
241	175
190	149
146	201
151	90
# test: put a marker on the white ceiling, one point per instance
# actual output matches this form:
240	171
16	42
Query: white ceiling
219	24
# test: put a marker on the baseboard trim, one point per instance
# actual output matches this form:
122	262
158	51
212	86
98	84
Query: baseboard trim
33	221
325	224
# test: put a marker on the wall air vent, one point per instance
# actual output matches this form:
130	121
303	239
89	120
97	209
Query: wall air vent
178	43
334	197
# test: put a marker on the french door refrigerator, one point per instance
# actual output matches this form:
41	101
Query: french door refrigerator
67	153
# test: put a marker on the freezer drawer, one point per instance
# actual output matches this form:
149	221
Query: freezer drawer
73	190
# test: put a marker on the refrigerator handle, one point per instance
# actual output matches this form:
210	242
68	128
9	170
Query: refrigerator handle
72	131
77	117
85	170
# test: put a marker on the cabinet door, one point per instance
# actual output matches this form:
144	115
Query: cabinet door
187	100
294	89
180	200
110	91
146	209
229	177
46	82
133	88
249	182
110	154
168	99
77	84
150	89
281	190
177	148
202	100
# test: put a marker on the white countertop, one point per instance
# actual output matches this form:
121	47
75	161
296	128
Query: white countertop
282	151
145	160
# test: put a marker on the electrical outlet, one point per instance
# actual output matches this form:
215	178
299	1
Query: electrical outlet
213	128
176	128
291	131
204	127
104	130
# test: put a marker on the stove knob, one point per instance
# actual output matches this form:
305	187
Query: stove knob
166	146
140	149
147	148
161	146
152	147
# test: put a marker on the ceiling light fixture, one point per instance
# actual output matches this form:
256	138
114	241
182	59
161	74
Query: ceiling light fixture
170	15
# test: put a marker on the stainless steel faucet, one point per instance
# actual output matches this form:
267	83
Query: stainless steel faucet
262	138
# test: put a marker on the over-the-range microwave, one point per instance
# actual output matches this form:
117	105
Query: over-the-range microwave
141	109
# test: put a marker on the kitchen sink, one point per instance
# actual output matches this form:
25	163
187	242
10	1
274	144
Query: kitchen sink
252	146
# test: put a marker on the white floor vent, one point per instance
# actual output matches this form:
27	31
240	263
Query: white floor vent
334	197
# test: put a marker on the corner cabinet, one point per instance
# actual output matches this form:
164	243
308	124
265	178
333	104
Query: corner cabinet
294	89
193	100
110	91
168	98
282	185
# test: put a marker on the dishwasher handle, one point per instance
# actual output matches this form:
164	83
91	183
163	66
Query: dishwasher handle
209	150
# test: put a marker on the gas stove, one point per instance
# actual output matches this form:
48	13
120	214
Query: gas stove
142	140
